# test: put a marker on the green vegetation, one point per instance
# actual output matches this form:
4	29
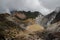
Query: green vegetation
30	14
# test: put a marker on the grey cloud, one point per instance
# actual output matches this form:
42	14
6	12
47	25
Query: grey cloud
42	6
51	4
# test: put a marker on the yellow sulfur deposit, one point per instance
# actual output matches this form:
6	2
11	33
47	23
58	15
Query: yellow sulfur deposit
35	27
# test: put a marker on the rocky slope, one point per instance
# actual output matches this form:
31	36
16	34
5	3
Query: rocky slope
21	25
54	27
52	24
53	16
15	27
48	19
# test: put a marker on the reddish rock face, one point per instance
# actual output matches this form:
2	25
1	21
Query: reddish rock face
20	15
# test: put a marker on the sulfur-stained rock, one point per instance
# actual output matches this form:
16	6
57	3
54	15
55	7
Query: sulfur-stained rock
35	27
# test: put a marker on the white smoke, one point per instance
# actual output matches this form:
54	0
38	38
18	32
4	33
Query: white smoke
26	5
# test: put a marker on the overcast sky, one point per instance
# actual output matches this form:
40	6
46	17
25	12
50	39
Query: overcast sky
43	6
